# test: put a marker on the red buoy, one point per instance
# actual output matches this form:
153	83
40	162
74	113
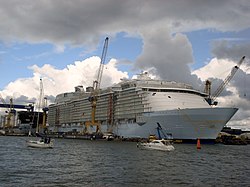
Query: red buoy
198	145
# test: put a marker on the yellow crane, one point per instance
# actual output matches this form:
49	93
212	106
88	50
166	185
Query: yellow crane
95	91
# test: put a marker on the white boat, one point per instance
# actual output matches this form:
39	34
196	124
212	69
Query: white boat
108	136
2	132
41	143
131	109
162	145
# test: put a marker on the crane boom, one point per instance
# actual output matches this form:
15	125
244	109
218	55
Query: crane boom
95	92
226	81
97	83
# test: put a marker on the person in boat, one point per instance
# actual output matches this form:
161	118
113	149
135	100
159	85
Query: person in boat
46	140
42	140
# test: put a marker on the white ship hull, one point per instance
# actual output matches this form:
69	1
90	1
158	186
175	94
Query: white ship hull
189	124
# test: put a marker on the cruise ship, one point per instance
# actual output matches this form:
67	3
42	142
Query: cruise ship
133	107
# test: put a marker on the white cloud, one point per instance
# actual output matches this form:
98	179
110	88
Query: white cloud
59	48
57	81
216	68
236	89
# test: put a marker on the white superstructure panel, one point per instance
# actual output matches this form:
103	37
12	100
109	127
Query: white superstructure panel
171	100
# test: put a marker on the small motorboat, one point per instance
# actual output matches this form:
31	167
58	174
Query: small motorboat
162	145
42	143
108	136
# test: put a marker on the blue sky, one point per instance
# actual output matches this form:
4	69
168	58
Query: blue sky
59	42
17	57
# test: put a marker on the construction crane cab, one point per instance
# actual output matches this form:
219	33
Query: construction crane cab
211	99
95	92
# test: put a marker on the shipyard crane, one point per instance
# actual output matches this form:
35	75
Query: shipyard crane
211	99
45	113
95	91
10	111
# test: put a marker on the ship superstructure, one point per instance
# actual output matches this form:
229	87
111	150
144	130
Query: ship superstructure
132	108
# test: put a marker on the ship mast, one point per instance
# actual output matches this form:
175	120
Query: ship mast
39	105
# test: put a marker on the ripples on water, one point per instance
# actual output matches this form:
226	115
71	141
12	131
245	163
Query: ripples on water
102	163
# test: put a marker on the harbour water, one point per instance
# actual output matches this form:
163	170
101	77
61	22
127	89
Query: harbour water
111	163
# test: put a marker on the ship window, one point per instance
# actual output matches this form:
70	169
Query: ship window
152	90
153	94
173	90
169	96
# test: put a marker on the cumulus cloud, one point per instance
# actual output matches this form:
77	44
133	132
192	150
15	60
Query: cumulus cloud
216	68
166	54
57	81
236	93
